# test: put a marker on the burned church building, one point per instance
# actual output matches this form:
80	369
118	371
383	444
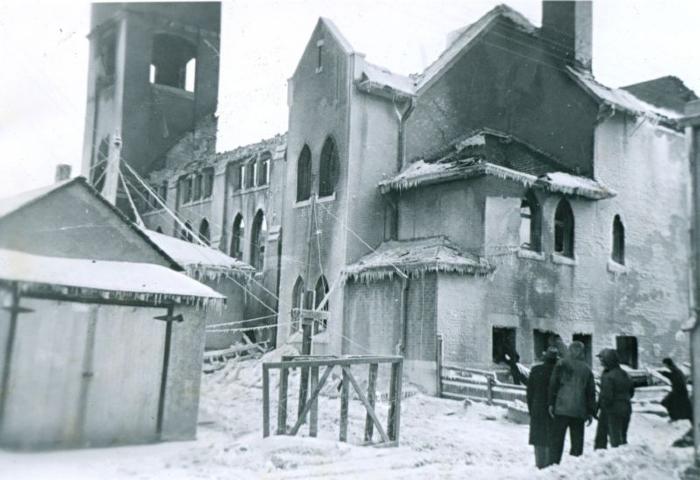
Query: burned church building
499	197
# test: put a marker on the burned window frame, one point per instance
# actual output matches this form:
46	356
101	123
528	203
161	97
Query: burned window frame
171	56
321	289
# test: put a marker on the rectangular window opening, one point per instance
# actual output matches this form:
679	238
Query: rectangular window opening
628	350
503	342
542	339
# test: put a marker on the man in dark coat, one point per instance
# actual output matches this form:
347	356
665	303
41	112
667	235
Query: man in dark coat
677	401
537	403
614	401
571	401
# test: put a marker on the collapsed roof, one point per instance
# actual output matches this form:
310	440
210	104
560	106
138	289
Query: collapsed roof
484	153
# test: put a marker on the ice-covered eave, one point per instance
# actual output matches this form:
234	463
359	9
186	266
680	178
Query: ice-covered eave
377	273
612	100
382	90
117	297
577	186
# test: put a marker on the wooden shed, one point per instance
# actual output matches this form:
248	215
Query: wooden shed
101	334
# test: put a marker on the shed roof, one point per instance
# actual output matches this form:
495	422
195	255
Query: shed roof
103	280
199	260
12	204
415	258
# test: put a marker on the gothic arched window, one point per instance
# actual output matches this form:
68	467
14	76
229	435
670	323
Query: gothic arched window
304	174
564	229
328	172
258	239
204	231
236	250
530	223
320	293
618	246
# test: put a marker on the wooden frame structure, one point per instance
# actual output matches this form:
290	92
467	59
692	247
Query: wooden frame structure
310	367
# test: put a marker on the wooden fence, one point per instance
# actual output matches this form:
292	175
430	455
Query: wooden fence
310	366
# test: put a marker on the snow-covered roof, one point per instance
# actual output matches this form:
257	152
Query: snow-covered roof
422	173
15	202
414	258
104	280
199	260
379	80
620	98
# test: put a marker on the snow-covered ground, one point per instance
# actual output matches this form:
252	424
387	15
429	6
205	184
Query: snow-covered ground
439	439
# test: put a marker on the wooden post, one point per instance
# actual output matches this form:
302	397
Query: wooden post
344	400
282	402
395	399
169	318
371	399
438	366
14	310
266	401
313	415
489	389
305	350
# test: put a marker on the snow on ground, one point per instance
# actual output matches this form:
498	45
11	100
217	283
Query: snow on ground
439	439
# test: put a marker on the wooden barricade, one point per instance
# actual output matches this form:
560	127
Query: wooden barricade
310	367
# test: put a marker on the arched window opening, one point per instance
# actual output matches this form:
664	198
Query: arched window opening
190	74
304	174
237	234
204	231
618	246
186	233
258	239
530	223
320	293
328	172
297	302
564	229
159	230
173	62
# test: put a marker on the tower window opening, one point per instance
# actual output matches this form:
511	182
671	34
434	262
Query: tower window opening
173	62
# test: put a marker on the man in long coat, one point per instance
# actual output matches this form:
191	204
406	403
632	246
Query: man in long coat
677	402
571	401
537	403
614	401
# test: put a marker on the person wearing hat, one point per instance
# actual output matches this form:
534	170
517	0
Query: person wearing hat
540	421
614	401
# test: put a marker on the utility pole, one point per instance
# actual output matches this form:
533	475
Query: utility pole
692	132
109	190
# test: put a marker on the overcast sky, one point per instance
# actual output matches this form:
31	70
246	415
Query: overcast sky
45	54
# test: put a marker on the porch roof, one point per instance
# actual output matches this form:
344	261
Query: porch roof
415	258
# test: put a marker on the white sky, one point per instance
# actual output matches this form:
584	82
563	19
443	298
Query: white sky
45	54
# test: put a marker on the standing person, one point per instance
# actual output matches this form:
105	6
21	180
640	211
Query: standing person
513	361
677	402
537	394
571	401
614	402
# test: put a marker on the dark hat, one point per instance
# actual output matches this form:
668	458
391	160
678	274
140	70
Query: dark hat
609	357
552	353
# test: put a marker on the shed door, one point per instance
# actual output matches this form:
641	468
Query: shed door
82	375
127	365
42	405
